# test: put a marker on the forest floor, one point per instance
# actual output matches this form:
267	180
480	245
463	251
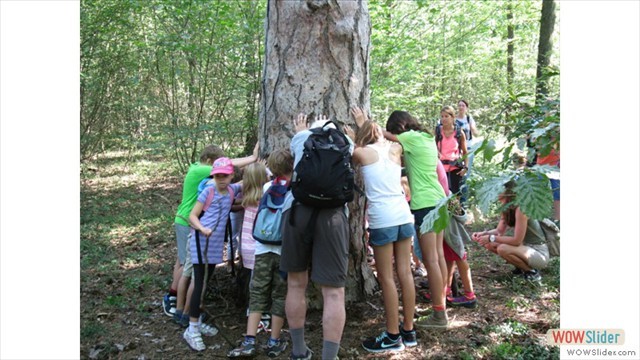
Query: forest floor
128	251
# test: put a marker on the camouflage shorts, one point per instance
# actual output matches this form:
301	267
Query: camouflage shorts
268	289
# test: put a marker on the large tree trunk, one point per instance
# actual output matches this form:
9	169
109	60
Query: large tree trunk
510	47
317	62
547	22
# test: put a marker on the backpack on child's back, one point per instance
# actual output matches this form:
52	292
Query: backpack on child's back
267	228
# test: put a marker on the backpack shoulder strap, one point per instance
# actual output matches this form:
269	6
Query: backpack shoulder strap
209	199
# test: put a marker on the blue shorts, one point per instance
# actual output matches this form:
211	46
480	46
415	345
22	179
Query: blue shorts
555	187
383	236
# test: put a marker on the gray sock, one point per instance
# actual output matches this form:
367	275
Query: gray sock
330	349
297	340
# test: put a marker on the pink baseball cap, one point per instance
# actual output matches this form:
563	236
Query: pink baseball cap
222	166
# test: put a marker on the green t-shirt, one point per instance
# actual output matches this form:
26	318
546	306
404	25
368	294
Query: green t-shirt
197	172
421	160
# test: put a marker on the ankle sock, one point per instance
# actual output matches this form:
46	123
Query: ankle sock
469	295
393	337
194	327
438	307
272	341
248	339
173	292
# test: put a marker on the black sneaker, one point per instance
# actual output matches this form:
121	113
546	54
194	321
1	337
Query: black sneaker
383	343
532	275
409	338
517	271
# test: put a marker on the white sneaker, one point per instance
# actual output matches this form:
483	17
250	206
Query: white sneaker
194	340
208	330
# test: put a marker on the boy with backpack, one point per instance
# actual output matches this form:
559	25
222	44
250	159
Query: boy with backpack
316	230
268	288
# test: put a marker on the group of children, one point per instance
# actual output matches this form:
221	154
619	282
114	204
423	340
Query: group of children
435	165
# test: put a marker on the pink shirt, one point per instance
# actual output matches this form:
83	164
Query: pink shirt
247	242
442	177
448	149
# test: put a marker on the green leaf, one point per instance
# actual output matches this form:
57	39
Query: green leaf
489	149
533	194
438	218
489	191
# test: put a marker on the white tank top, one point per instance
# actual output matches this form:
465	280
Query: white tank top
387	205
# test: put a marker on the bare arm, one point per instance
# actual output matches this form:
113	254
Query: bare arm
389	136
518	233
195	222
244	161
463	153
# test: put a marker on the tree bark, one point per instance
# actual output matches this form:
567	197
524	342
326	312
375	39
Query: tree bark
510	47
317	62
547	22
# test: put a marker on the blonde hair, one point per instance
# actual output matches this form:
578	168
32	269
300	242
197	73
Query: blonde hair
449	110
367	133
255	176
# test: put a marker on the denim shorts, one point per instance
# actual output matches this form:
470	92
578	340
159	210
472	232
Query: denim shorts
419	215
383	236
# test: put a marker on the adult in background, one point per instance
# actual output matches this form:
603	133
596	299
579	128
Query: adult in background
468	125
452	148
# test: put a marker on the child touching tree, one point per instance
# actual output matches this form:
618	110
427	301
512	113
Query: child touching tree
268	289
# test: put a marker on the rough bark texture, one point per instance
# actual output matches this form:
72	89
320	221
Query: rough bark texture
547	22
317	62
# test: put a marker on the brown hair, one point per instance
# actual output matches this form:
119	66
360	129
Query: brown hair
280	162
401	121
367	133
509	214
254	178
210	153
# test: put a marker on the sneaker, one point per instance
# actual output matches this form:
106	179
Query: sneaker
276	348
437	320
208	330
517	271
532	275
169	304
194	340
244	350
409	338
462	301
383	343
307	356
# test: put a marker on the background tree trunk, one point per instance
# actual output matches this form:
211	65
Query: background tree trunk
317	62
547	22
510	47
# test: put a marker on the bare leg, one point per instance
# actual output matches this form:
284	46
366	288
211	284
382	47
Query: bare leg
428	244
333	314
465	275
296	302
383	256
252	323
515	255
451	268
402	251
276	326
183	286
177	274
441	262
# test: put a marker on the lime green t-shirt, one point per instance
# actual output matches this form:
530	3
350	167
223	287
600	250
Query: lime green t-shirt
197	172
421	159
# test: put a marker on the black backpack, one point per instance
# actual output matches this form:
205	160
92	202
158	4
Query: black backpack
458	130
323	178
